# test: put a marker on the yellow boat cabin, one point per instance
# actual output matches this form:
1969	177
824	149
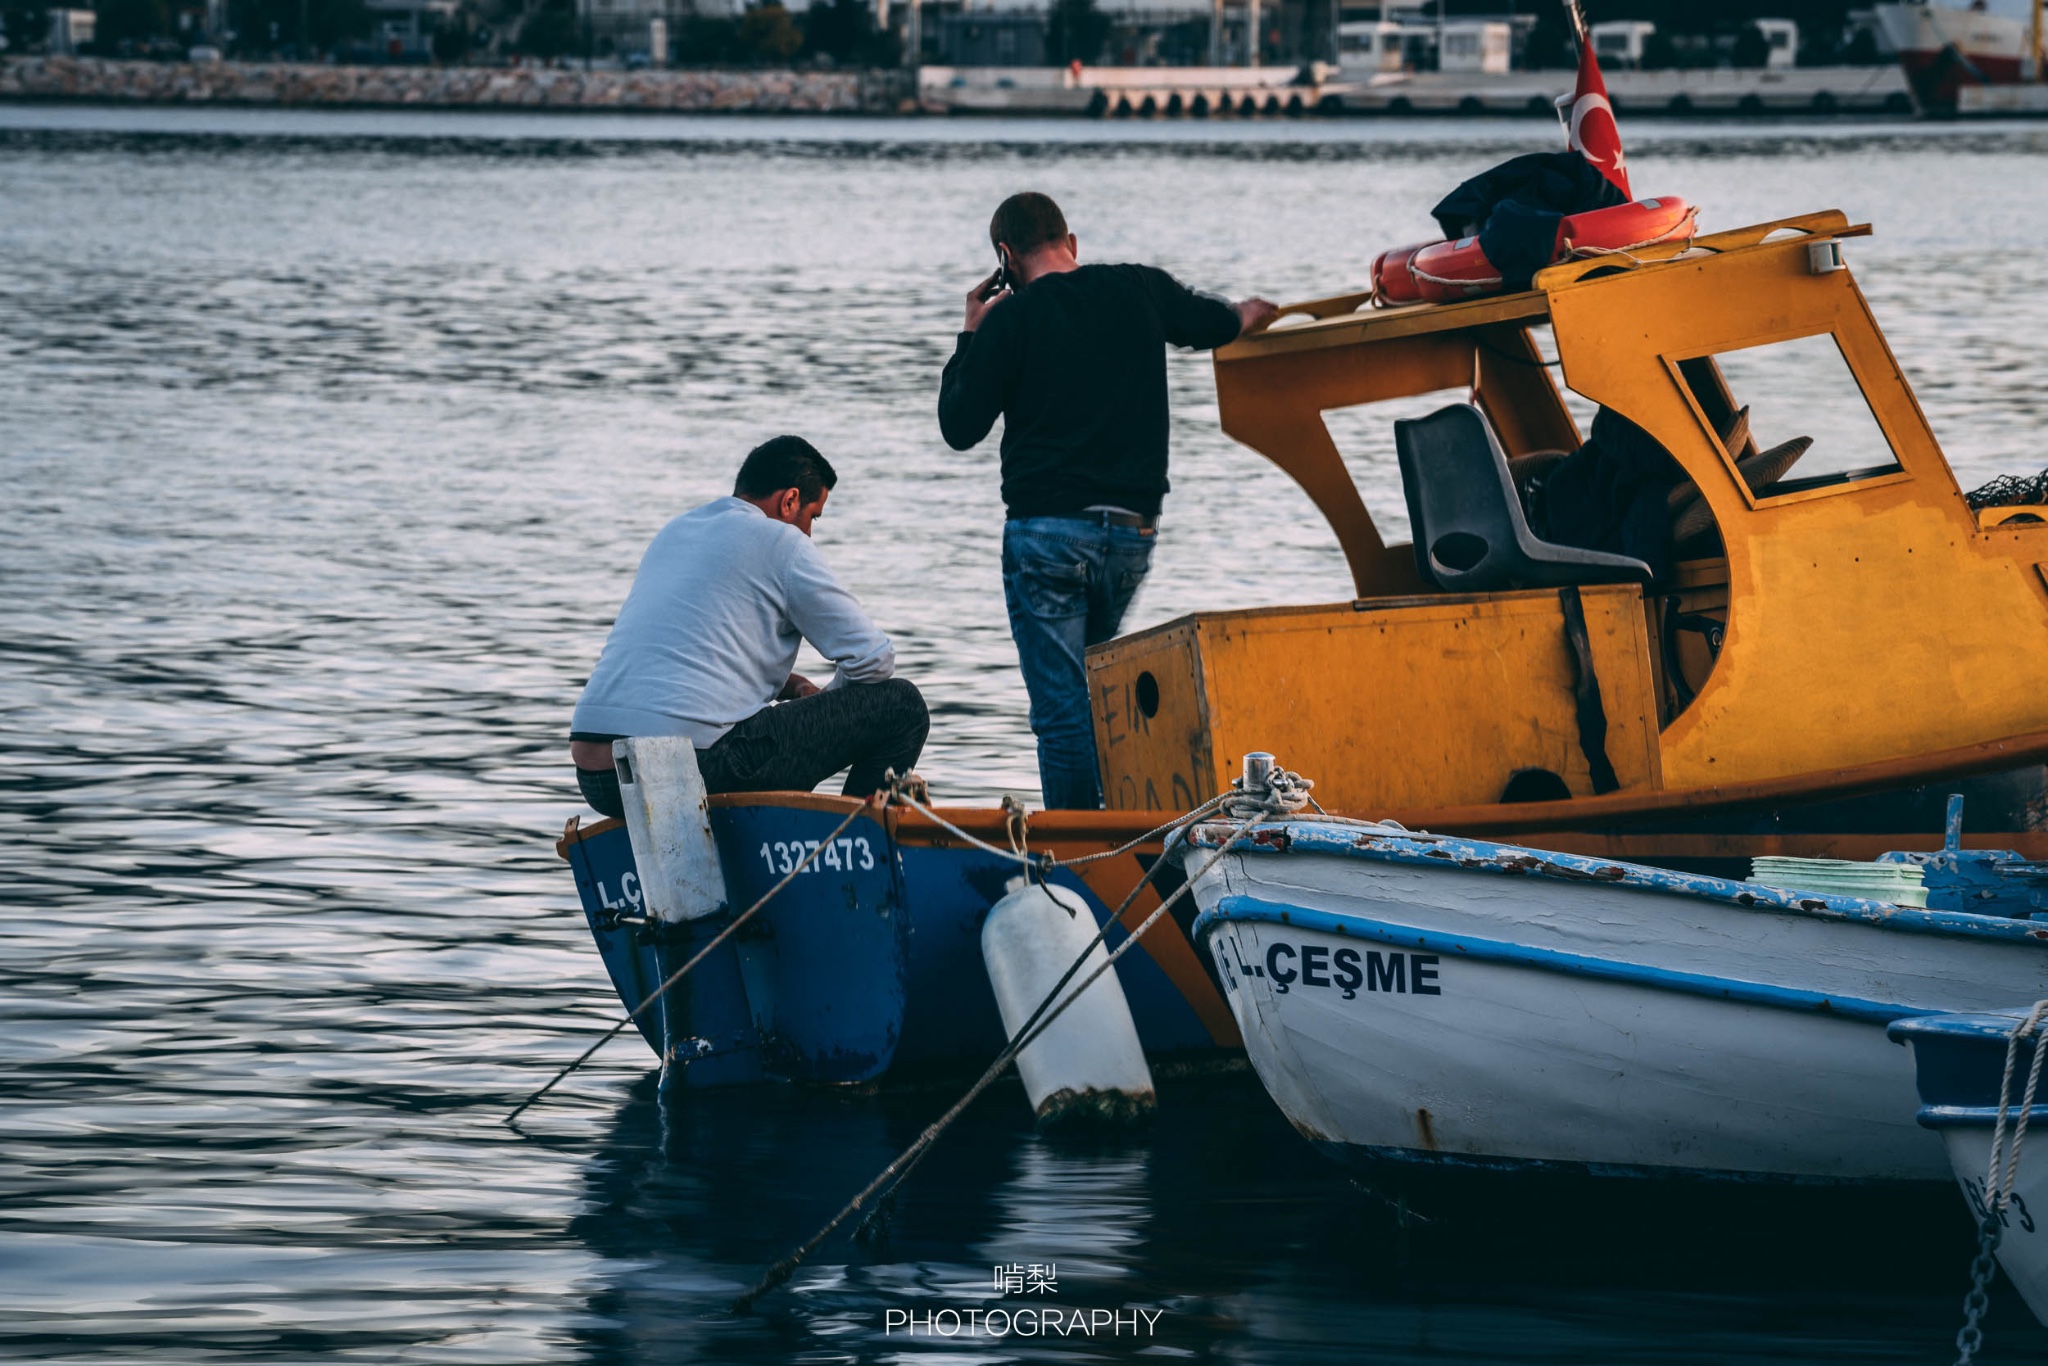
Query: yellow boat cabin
1831	617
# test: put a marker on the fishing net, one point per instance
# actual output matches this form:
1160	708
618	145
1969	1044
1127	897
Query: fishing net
2011	490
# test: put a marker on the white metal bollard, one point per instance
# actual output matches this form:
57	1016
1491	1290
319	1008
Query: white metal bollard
668	816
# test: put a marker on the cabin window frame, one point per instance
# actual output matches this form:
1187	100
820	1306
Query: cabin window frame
1849	482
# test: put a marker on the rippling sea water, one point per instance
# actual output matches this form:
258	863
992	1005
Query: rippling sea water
328	444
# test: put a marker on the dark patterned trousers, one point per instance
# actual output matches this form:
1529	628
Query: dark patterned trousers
864	728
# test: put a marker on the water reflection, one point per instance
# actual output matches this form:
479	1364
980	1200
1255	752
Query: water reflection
1084	1211
1249	1247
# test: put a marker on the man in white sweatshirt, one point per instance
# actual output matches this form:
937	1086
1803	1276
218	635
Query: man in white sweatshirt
705	642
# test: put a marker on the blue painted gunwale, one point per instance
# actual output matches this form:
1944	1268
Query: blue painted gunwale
1245	908
1994	1026
1973	1116
1379	844
1959	1066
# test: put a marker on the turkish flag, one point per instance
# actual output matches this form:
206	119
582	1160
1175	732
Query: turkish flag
1594	134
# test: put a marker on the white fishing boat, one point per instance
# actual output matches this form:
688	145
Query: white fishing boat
1967	1064
1420	998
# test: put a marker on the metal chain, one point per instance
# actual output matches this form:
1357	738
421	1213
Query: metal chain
1982	1267
1998	1187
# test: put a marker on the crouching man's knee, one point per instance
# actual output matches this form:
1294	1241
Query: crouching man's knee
901	720
906	705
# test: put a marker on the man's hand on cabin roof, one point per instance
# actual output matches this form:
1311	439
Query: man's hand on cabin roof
1253	314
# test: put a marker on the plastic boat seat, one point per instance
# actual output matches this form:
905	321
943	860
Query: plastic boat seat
1470	534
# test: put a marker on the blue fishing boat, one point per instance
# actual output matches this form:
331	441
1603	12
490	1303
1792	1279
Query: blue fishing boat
869	964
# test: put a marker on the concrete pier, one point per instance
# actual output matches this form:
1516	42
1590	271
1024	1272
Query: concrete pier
1199	91
1794	90
1102	92
2002	101
1115	91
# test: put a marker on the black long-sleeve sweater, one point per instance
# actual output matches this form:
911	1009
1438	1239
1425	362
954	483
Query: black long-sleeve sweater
1075	364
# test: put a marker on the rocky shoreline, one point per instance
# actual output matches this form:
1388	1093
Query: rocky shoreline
286	84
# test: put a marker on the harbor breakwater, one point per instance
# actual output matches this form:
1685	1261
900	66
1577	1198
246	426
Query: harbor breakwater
452	87
1171	92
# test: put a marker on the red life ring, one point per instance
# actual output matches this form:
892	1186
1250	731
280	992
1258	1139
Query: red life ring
1444	271
1391	281
1453	270
1625	227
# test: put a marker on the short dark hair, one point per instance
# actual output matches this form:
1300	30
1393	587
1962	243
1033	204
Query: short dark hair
785	462
1026	222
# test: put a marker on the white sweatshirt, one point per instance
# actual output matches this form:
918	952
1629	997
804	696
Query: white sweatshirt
709	632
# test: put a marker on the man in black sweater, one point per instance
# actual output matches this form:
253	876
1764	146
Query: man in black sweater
1073	359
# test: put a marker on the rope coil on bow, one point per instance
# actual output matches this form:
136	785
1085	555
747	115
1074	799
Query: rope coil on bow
1285	792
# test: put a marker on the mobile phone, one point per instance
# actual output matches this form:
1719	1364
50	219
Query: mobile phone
1003	280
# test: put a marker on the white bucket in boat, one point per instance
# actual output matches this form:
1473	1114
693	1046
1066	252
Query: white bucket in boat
1088	1065
668	818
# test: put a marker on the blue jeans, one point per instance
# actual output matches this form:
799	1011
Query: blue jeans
1067	581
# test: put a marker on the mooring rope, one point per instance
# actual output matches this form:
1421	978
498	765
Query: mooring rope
1045	863
895	788
1285	794
1998	1188
899	789
781	1271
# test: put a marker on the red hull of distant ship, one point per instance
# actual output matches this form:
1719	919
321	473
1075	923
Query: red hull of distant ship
1945	47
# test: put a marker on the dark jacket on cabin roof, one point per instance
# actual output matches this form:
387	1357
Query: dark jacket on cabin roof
1515	209
1075	364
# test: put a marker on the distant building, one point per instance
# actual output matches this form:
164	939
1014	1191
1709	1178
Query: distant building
984	38
1782	36
70	29
628	25
1370	45
403	30
1467	46
1620	42
1141	32
1415	38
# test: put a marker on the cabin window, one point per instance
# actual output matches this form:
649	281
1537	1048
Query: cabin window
1791	415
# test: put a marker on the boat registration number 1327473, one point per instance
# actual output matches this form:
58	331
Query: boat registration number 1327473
845	855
